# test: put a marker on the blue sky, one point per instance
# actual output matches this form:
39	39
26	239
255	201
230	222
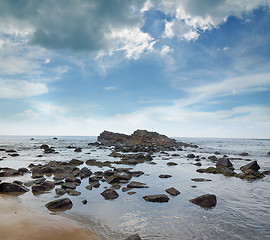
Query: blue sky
185	68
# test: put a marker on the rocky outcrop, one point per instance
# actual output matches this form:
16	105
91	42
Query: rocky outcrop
251	166
140	141
156	198
205	201
59	204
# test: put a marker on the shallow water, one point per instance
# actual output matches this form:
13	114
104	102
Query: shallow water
242	211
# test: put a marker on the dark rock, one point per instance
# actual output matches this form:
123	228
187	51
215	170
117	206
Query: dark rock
213	158
116	178
172	191
266	172
190	155
12	188
60	191
44	146
243	154
165	176
18	182
134	184
216	153
206	201
136	173
55	138
59	204
9	172
110	194
76	162
89	187
223	163
200	180
73	193
156	198
133	237
175	155
42	187
77	149
95	184
198	164
23	170
252	165
228	172
84	201
172	164
14	155
11	151
125	189
85	172
68	185
131	193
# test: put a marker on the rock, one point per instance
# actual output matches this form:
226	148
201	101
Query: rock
243	154
60	191
131	193
175	155
84	201
156	198
216	153
42	187
223	163
14	155
125	189
268	154
12	188
228	172
68	185
85	172
134	184
172	191
59	204
252	165
172	164
213	158
18	182
200	180
76	162
165	176
11	151
190	155
110	194
89	187
267	172
198	164
206	201
73	193
77	149
116	178
44	146
133	237
9	172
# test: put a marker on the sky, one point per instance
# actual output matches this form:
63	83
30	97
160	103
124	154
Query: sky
184	68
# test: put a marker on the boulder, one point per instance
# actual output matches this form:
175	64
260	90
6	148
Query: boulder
12	188
223	163
206	201
191	155
42	187
134	184
110	194
59	204
252	165
172	191
85	172
156	198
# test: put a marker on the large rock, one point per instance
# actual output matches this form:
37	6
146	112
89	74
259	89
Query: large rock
59	204
110	194
12	188
206	201
85	172
156	198
223	163
252	166
43	187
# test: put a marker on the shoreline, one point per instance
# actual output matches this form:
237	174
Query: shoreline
18	223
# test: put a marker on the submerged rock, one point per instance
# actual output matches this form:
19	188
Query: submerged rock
134	184
206	201
156	198
59	204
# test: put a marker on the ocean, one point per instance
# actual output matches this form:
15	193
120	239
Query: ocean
242	211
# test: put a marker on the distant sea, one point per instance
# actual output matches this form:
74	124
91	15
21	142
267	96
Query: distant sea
242	211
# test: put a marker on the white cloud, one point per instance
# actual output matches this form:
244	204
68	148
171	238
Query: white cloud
47	60
165	50
20	89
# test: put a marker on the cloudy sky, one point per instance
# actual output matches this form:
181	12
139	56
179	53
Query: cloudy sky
185	68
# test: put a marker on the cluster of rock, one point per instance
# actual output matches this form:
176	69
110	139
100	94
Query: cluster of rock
224	166
140	141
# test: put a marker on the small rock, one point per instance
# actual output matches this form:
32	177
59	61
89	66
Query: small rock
190	155
73	193
134	184
206	201
133	237
156	198
84	201
110	194
200	180
243	154
172	191
77	149
165	176
172	164
59	204
75	162
131	193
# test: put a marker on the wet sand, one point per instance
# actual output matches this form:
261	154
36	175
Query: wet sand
18	223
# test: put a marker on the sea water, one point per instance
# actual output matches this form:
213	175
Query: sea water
242	210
